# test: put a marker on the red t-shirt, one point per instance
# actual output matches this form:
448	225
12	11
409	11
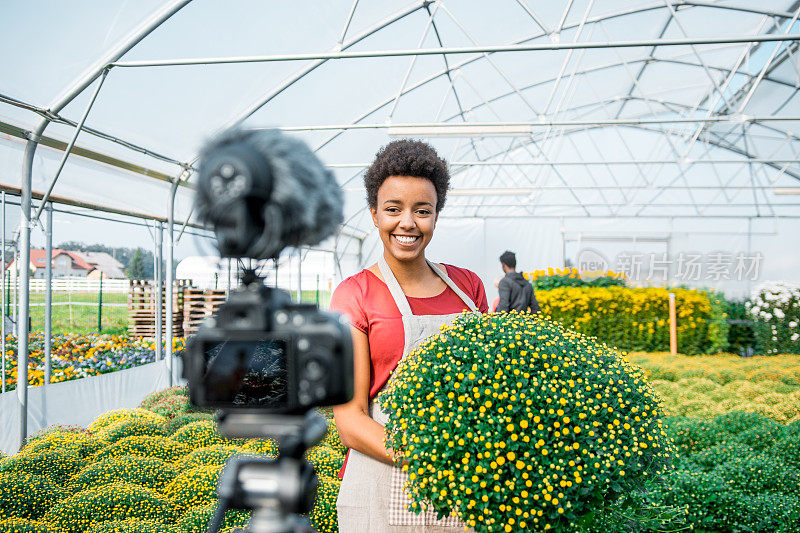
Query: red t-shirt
369	305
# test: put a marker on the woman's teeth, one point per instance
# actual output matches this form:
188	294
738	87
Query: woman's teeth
405	240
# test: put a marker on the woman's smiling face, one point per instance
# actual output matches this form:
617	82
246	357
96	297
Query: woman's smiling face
405	216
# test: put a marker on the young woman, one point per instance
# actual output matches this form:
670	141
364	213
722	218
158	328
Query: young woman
393	306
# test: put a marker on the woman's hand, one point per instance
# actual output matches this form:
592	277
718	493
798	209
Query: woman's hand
357	429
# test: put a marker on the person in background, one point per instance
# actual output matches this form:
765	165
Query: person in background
516	293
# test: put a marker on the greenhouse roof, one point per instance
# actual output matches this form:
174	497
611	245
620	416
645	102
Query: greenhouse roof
573	109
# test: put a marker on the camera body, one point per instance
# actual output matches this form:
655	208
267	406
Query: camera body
263	352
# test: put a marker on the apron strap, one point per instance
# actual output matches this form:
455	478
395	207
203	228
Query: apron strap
394	287
399	296
450	283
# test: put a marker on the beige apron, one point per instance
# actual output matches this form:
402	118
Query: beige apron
372	498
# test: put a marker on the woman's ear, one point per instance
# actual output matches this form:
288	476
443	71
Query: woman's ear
374	212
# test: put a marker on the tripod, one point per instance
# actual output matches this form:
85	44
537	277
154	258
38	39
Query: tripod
276	490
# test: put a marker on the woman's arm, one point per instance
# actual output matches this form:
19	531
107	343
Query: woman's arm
357	429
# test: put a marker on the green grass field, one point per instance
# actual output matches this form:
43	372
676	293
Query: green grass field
77	312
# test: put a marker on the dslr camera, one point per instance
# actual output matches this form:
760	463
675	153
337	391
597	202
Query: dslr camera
263	361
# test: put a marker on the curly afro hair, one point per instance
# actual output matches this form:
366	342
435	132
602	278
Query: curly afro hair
407	157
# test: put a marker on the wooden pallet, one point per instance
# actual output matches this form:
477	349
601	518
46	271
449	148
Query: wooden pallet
199	304
142	299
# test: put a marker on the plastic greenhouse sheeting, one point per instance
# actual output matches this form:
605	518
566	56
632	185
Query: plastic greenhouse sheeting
80	401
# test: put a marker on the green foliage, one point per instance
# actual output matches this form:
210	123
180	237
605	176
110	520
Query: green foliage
148	472
25	495
210	456
717	323
196	519
515	401
171	406
194	487
22	525
116	501
199	434
327	462
146	446
136	268
153	398
741	336
323	516
735	473
787	449
546	283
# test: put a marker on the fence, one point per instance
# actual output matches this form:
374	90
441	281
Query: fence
77	285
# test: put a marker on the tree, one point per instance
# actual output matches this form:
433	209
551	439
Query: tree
136	268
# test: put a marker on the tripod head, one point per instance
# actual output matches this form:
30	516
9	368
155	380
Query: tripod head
277	490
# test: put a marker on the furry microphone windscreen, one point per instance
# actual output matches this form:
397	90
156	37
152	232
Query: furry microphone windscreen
305	203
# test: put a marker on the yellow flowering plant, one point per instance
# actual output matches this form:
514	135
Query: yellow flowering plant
197	518
148	472
215	455
326	461
132	526
22	525
637	318
116	501
145	446
199	434
56	465
25	495
514	423
323	516
194	487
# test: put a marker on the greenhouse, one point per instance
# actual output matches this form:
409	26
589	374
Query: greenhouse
641	159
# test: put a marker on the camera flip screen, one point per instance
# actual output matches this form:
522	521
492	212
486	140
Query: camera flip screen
246	373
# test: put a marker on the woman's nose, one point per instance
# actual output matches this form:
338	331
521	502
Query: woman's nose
407	220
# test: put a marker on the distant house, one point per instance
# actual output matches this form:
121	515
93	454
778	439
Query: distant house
72	264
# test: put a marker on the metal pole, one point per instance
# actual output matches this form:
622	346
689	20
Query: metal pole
71	144
159	290
170	273
24	288
48	293
3	289
229	276
100	305
299	275
491	49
